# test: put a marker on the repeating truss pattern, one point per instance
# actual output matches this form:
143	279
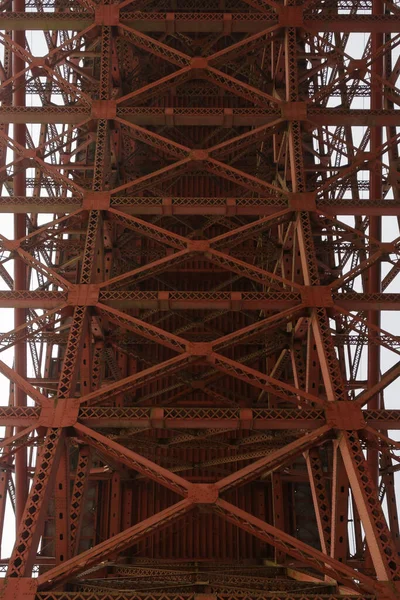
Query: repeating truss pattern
205	252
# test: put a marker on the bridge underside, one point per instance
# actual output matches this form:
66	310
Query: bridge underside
200	248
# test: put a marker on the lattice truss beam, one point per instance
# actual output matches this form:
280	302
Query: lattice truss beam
204	257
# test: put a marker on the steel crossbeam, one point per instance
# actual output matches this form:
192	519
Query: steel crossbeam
231	301
198	22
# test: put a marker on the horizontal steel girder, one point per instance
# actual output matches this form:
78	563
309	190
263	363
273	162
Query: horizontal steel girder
232	301
104	594
197	206
196	22
199	116
232	596
258	419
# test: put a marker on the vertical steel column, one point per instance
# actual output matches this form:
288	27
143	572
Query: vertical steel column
115	505
340	507
279	511
78	497
62	507
375	228
20	271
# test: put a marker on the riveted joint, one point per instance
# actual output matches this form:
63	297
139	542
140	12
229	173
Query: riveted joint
107	15
199	348
83	295
164	301
236	301
346	416
389	248
157	418
291	16
10	245
294	111
246	418
302	201
104	109
198	246
167	206
357	67
32	153
96	201
199	155
228	118
169	117
63	413
199	63
227	24
317	296
38	65
203	493
231	207
170	23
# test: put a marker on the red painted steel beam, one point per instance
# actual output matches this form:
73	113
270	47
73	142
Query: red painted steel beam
199	22
198	311
20	273
187	418
375	276
199	206
230	301
199	116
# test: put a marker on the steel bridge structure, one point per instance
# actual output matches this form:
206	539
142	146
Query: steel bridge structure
200	249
